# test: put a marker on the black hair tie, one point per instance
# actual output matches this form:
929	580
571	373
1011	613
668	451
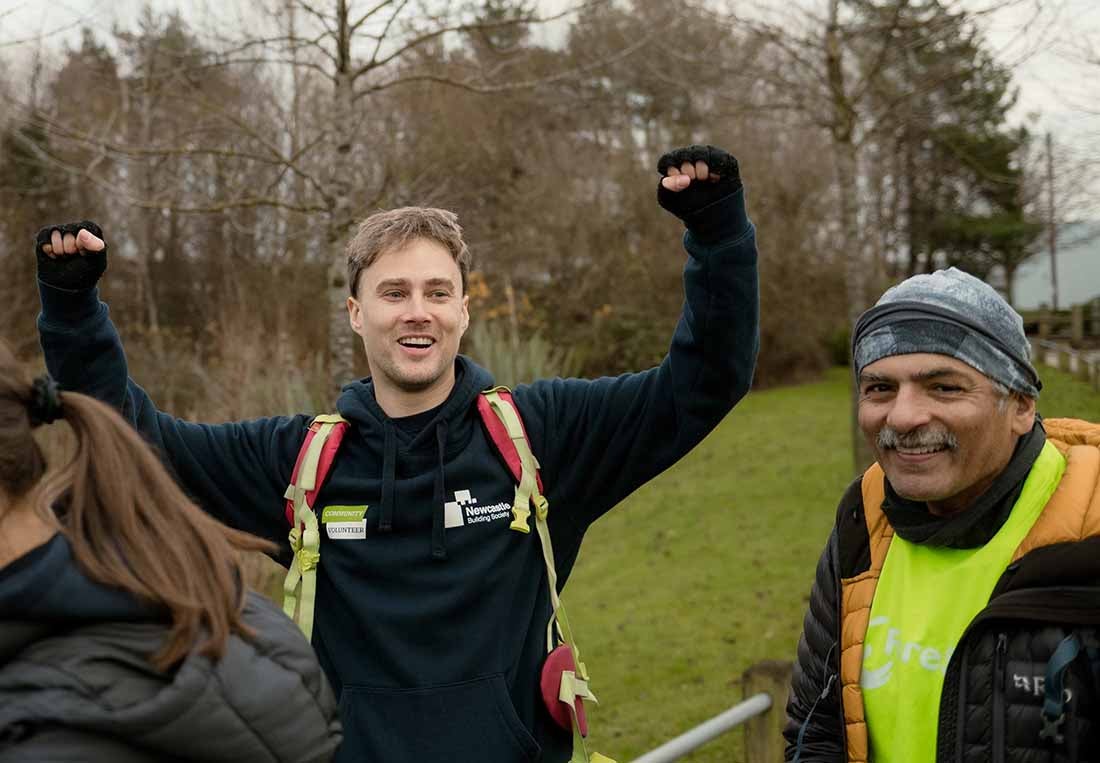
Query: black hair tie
45	405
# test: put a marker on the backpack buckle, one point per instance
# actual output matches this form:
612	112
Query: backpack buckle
308	560
520	515
1052	728
542	506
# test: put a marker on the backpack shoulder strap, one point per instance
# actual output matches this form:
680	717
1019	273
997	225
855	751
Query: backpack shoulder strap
502	421
500	399
315	458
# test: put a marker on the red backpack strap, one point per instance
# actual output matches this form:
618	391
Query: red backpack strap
564	680
328	454
498	433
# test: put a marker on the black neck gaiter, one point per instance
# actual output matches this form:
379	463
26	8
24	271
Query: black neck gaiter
976	525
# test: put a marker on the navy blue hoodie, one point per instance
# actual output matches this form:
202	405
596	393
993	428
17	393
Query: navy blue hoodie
431	625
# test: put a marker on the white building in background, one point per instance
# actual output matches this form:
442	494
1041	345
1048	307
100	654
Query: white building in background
1078	263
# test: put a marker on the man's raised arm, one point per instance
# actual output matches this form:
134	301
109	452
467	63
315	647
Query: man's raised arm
604	438
235	471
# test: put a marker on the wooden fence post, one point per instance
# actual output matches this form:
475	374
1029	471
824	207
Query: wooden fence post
764	734
1077	325
1084	367
1094	318
1045	319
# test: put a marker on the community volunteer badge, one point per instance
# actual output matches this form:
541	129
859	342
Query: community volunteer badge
345	522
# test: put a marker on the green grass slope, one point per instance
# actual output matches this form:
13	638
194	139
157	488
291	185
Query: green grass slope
1065	396
707	569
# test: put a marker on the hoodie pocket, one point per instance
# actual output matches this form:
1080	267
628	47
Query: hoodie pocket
471	720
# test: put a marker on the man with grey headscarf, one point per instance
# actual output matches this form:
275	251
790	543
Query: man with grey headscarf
955	608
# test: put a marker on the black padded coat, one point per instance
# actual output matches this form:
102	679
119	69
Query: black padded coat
76	682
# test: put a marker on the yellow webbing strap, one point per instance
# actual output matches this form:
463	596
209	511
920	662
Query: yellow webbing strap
571	688
528	482
300	585
573	685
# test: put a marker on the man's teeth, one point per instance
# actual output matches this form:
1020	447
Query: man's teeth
919	451
416	342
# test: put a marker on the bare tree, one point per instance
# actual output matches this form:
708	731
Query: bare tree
331	164
847	68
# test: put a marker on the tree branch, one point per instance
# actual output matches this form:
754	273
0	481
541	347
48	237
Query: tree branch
386	30
508	87
325	20
354	26
864	85
43	35
225	206
273	158
416	42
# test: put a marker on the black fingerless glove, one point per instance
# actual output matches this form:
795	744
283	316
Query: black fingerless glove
72	272
691	204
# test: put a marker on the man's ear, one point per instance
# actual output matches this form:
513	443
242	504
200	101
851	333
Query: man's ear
355	315
1023	413
465	313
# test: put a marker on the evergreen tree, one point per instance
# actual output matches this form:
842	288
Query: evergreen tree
956	158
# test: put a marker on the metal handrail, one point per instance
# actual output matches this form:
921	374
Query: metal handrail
674	749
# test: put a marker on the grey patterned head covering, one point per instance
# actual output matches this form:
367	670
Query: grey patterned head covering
951	313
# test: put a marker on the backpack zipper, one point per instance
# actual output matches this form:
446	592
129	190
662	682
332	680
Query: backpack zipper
999	656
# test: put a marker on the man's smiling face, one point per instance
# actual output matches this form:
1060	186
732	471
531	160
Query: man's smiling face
941	430
411	314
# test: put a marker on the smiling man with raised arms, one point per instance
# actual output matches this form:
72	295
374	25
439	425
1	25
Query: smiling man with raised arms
433	595
955	609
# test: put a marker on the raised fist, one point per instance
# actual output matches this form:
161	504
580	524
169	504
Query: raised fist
71	256
695	177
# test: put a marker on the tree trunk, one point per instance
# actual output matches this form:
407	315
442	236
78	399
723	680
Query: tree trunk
341	345
147	217
846	163
513	331
1010	284
1052	225
296	241
856	279
913	224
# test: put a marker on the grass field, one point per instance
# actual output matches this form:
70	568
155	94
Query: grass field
707	569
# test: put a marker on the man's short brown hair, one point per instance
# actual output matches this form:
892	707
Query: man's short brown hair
385	231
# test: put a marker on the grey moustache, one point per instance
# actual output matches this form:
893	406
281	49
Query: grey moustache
890	439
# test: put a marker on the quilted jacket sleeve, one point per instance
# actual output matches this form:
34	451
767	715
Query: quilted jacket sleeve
815	731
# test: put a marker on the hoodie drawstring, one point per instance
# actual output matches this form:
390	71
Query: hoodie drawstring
439	530
389	477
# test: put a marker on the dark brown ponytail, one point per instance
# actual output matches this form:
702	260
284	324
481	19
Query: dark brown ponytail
130	526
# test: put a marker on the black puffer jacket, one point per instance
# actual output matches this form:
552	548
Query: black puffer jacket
76	682
994	688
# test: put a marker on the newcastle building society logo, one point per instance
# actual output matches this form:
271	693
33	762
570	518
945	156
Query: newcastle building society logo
464	510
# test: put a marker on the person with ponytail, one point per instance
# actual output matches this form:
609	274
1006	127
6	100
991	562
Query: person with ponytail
126	633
